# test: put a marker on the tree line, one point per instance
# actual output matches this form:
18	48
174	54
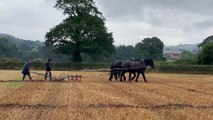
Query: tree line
19	50
12	48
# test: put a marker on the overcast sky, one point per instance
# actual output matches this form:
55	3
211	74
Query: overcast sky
130	21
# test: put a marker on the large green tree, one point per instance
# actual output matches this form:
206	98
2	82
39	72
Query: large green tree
206	54
209	39
83	31
150	48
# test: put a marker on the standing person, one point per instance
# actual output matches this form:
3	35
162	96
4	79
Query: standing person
48	69
26	70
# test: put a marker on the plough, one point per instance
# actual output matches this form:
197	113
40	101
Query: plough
76	77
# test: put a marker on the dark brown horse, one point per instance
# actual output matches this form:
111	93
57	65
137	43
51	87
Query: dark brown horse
133	67
115	66
138	66
116	70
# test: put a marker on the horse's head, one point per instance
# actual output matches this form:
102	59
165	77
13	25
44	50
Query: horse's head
149	63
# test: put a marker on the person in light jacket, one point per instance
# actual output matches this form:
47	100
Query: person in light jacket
26	70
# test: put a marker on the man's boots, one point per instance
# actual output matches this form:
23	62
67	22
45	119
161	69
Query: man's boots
50	76
45	77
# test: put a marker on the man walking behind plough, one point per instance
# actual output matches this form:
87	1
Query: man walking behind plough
48	70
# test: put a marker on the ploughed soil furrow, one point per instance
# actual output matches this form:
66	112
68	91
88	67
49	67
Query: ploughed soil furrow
163	98
43	100
197	86
65	98
4	91
22	102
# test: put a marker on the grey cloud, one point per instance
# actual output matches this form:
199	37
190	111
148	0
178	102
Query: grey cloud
28	19
164	15
175	21
119	8
204	24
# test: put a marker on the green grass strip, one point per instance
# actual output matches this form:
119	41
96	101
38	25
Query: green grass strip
13	84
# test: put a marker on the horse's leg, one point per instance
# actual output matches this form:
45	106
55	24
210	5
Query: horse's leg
121	76
137	77
115	76
124	76
130	74
111	76
134	75
143	73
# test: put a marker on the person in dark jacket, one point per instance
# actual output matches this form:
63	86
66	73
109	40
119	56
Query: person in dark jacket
48	69
26	70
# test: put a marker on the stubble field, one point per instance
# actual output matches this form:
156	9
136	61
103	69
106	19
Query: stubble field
165	97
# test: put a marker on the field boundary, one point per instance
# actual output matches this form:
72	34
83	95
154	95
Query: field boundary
105	67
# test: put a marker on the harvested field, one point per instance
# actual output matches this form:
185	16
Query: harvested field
165	97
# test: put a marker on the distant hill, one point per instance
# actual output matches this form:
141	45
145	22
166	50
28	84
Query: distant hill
21	50
175	52
21	43
182	47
